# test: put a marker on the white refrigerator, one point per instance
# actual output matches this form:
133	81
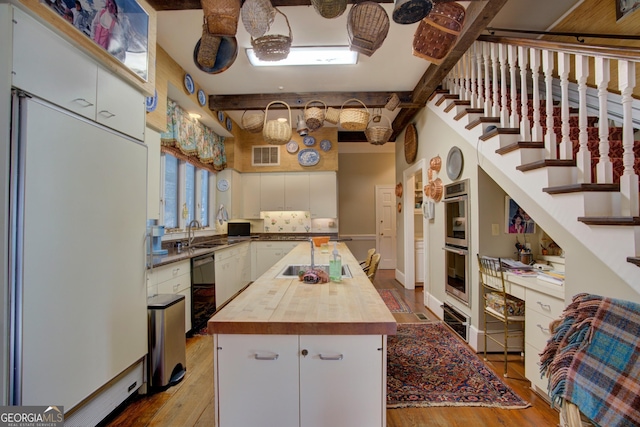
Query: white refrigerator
77	255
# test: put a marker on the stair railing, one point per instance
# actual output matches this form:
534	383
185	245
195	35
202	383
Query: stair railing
498	73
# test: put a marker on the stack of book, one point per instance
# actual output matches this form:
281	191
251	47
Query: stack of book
517	267
552	276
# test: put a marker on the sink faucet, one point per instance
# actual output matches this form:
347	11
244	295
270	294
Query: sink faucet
189	228
312	253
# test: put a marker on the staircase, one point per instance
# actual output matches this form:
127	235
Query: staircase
568	152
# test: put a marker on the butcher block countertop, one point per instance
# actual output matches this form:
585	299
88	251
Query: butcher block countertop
288	306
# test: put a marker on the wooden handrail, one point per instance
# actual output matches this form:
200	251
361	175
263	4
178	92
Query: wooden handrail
614	52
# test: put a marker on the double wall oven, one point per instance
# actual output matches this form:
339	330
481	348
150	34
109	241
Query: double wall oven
457	236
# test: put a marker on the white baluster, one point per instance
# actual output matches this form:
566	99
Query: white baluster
525	125
536	129
479	80
604	168
513	85
470	72
488	102
583	157
504	111
473	89
564	65
495	59
629	179
550	142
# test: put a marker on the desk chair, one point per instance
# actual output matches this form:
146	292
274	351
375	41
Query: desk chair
499	307
373	268
367	262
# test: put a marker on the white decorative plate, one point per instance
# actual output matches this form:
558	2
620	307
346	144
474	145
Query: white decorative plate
292	147
188	83
308	157
309	141
202	99
454	163
325	145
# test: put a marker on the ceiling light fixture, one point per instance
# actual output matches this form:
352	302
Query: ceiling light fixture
310	55
195	116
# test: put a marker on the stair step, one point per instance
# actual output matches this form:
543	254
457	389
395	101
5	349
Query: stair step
457	103
499	131
519	145
610	220
438	92
584	187
481	120
634	260
468	112
446	97
546	163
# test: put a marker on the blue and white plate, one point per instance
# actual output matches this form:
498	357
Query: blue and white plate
229	124
325	145
188	83
309	141
221	116
152	102
292	147
308	157
202	98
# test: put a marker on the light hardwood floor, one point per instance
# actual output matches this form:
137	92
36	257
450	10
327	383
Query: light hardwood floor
190	403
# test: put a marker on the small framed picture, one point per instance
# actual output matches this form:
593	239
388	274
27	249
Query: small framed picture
625	7
517	221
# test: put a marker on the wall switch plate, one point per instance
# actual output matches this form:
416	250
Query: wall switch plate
495	229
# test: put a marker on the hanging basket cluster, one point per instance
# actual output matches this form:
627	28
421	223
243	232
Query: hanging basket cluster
433	189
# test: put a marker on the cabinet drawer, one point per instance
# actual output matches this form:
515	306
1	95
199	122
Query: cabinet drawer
175	285
171	271
536	328
544	304
120	106
532	369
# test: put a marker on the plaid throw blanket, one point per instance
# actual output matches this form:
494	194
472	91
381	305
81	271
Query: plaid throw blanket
592	359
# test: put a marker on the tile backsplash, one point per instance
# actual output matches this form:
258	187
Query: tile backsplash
286	221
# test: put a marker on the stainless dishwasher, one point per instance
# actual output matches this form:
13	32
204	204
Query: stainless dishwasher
203	291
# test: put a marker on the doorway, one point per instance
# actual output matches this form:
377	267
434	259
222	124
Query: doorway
386	236
411	176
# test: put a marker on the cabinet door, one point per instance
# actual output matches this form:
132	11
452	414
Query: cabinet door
224	280
251	195
49	67
257	378
296	191
342	380
120	106
272	192
323	191
267	254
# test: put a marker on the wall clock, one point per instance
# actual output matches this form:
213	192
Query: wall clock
223	184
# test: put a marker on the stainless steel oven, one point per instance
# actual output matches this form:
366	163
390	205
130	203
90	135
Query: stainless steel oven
456	216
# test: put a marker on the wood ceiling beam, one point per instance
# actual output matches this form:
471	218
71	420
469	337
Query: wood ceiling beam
195	4
298	100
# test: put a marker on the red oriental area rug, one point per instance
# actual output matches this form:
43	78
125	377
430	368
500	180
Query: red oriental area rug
428	365
394	301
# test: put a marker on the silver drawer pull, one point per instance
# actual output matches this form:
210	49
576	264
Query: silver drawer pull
273	357
106	114
544	306
543	329
338	357
83	102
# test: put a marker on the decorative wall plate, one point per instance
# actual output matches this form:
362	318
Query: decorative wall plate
188	83
202	98
292	147
152	102
399	189
309	141
325	145
410	143
455	163
229	124
221	116
308	157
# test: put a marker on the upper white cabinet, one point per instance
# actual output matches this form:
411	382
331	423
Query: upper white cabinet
323	195
296	192
251	195
49	67
272	192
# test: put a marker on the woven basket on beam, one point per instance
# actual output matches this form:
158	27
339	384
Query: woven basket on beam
273	47
379	135
367	27
314	116
221	16
253	122
438	32
257	16
278	131
354	118
329	8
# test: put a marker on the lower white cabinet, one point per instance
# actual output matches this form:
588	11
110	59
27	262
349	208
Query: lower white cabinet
300	380
233	271
266	254
174	278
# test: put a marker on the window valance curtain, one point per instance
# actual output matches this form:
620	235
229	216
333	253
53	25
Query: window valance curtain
191	141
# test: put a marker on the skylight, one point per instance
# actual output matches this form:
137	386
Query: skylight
310	55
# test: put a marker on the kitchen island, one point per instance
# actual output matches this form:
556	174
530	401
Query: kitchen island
288	353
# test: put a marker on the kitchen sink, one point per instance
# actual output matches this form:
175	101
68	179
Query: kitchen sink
292	270
206	245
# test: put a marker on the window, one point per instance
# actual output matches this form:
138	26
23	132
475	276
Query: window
265	155
186	193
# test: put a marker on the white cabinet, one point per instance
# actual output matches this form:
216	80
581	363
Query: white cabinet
306	380
272	192
296	192
232	197
233	271
266	254
152	140
323	195
47	66
174	278
251	195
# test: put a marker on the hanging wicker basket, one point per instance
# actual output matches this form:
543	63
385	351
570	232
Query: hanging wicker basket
332	116
278	131
438	32
410	11
379	135
221	16
329	8
392	102
273	47
354	118
314	116
257	16
253	122
367	27
209	45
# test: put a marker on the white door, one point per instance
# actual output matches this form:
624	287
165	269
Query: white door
386	226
